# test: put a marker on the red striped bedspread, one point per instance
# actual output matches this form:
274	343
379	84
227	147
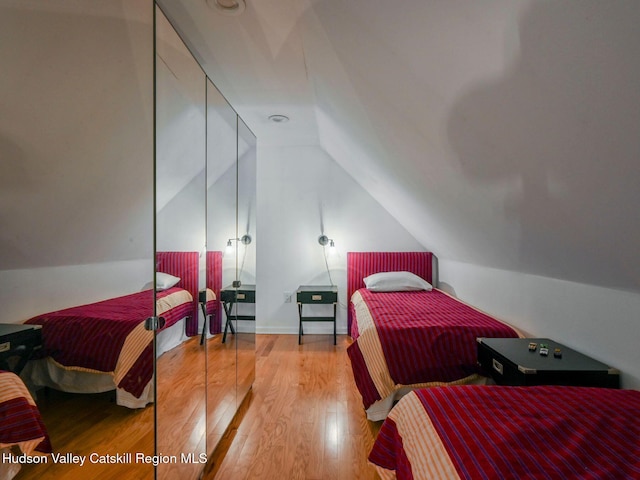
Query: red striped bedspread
20	422
549	432
415	339
109	336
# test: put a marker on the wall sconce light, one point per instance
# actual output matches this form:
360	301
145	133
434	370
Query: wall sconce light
324	241
245	240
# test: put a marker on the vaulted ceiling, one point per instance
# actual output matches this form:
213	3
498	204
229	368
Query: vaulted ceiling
501	133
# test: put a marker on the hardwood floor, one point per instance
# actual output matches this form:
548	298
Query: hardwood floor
86	424
304	419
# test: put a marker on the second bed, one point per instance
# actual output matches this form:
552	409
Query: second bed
407	336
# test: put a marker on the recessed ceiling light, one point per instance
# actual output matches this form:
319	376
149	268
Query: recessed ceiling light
278	118
227	7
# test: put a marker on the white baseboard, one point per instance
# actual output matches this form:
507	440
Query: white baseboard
293	330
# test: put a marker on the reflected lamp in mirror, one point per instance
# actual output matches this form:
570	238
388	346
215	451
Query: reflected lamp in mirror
245	240
324	241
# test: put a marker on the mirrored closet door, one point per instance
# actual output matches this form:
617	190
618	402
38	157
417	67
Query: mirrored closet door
222	181
246	260
76	208
180	252
123	170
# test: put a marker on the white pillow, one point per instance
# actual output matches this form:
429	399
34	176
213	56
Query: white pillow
165	281
395	282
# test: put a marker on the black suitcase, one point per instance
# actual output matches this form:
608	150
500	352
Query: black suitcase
17	344
524	361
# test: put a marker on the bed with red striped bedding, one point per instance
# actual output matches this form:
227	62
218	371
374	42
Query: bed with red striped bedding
407	340
109	337
20	421
470	432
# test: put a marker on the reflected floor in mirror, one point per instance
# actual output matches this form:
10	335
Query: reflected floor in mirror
304	418
84	424
181	414
221	387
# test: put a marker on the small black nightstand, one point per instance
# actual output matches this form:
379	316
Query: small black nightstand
202	299
317	294
511	361
233	295
17	344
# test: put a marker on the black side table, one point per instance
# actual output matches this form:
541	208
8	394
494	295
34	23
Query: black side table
230	296
202	299
317	294
541	361
17	344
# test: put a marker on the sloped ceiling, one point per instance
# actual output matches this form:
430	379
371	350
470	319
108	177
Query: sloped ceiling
500	133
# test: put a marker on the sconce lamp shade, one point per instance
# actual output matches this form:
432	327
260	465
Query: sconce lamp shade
324	241
245	240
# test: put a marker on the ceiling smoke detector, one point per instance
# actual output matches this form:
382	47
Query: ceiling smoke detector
227	7
278	118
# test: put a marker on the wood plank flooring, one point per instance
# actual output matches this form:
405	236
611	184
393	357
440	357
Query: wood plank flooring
304	419
85	424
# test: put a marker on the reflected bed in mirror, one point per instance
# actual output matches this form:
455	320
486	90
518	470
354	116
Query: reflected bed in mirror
104	346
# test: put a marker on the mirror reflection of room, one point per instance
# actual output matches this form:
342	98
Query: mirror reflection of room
76	252
246	255
221	259
115	263
180	229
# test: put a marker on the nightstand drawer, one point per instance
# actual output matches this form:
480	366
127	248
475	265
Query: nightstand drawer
246	296
13	336
316	297
17	344
240	295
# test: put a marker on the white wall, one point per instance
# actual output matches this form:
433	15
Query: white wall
29	292
596	321
300	190
500	133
